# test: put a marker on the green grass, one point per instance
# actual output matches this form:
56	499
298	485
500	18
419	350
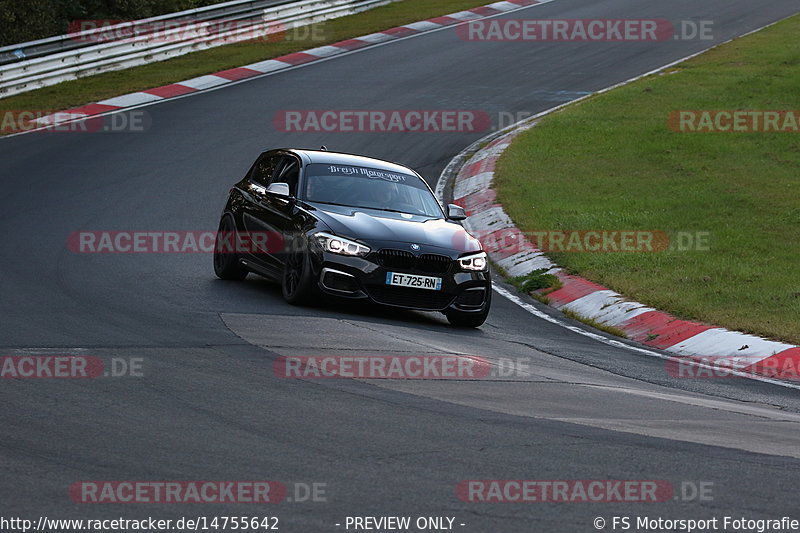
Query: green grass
611	162
91	89
537	280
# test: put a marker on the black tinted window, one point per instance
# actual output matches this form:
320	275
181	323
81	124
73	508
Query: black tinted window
264	169
288	171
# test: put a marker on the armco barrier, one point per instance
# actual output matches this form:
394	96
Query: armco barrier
72	56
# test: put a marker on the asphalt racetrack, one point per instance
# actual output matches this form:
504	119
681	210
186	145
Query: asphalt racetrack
208	405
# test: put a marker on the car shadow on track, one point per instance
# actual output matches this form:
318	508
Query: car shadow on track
262	296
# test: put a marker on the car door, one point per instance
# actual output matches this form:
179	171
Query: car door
258	217
281	211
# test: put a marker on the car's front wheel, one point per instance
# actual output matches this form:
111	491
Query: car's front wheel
297	283
226	260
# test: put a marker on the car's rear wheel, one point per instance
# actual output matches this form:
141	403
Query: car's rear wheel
226	260
297	284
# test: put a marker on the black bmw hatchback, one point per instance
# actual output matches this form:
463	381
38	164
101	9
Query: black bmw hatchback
352	227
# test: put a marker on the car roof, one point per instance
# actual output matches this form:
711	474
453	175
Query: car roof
341	158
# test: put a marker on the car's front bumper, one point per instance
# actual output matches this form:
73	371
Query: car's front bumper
362	278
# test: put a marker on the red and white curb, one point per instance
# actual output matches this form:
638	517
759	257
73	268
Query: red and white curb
512	251
280	63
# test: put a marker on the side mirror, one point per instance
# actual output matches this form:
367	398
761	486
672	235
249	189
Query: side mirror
456	212
279	189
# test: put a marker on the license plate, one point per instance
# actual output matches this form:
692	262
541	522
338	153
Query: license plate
413	280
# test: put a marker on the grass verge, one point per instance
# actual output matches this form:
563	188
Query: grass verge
91	89
612	163
537	280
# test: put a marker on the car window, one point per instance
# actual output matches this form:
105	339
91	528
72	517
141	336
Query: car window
369	188
264	168
288	171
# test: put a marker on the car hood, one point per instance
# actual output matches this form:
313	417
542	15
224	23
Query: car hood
380	228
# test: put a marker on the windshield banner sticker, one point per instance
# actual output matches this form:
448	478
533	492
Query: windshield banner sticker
368	172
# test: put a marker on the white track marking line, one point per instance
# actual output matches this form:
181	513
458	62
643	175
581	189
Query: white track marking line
617	344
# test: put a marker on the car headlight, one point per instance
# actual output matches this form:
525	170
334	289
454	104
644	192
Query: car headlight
477	262
341	246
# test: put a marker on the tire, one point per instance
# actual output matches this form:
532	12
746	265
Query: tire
226	265
463	319
296	283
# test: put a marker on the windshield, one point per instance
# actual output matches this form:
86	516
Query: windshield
370	188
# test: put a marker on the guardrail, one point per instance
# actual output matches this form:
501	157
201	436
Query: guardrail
45	62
